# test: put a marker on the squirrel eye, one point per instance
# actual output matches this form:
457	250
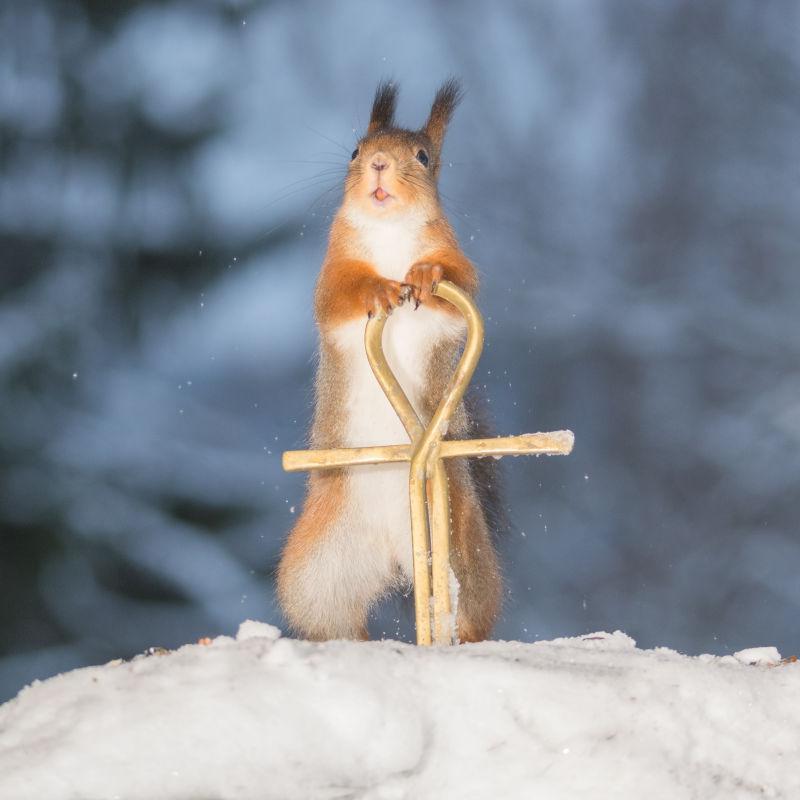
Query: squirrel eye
422	157
354	154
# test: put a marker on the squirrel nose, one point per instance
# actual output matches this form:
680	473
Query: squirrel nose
379	162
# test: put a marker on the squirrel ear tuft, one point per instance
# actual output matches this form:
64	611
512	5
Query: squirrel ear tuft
444	104
383	106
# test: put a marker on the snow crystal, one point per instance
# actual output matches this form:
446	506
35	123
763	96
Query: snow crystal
251	629
758	656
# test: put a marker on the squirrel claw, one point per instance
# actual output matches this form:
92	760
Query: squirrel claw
423	279
385	296
410	292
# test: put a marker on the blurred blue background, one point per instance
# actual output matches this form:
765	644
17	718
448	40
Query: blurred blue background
625	176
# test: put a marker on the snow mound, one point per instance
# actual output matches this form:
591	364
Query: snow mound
263	717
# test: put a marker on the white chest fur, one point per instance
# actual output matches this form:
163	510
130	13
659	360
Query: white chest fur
392	244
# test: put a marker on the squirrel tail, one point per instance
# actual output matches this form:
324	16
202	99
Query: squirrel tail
486	473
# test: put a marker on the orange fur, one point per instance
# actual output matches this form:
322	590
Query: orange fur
325	494
320	510
349	288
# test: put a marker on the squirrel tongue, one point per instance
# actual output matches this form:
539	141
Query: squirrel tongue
380	194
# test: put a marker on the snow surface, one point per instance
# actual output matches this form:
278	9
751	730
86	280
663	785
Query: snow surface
262	716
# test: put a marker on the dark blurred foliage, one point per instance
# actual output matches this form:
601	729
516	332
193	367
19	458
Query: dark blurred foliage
627	178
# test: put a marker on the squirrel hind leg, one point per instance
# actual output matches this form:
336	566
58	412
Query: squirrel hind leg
473	558
325	582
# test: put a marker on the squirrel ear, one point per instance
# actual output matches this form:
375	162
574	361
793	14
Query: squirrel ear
444	104
382	115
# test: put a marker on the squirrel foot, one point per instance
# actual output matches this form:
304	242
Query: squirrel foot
421	280
384	295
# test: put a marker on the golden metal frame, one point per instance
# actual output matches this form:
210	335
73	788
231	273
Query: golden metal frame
427	486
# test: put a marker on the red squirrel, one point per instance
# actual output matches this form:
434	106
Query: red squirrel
390	242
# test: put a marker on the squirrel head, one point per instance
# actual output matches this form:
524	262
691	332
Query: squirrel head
395	170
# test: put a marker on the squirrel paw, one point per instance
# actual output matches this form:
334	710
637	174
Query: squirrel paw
385	295
421	280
